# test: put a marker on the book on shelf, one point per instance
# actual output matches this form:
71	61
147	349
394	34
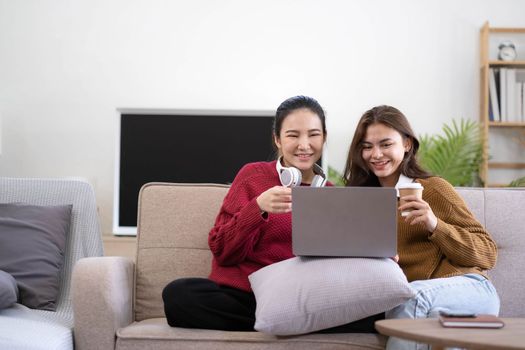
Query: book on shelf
518	117
520	95
491	112
478	321
493	101
523	102
503	94
511	95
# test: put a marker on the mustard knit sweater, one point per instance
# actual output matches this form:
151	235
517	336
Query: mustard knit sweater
458	245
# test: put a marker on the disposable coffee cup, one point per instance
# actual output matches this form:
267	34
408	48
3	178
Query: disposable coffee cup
408	189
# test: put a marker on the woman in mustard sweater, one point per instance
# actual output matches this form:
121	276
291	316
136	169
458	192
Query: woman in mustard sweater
443	250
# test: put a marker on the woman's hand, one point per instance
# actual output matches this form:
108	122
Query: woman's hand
421	212
277	199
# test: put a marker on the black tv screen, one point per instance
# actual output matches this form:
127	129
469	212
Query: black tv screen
184	147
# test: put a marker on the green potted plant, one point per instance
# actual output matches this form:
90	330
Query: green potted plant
456	155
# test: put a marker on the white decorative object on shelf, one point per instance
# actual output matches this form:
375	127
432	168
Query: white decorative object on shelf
507	51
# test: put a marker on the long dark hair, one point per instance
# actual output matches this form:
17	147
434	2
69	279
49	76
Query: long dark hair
357	172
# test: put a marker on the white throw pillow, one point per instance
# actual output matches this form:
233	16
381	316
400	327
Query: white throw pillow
302	295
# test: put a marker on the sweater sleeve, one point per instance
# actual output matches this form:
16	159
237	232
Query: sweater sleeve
461	238
238	224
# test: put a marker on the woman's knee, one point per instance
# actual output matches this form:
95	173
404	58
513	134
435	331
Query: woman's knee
177	292
178	299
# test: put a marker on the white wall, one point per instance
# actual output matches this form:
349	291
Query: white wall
65	66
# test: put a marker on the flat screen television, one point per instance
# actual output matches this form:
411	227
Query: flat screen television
184	146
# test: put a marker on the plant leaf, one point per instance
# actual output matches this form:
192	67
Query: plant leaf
456	155
518	182
335	177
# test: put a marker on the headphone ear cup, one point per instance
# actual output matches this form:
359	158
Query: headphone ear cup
290	177
296	176
318	181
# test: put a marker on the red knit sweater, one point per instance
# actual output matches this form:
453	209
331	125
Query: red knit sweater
242	241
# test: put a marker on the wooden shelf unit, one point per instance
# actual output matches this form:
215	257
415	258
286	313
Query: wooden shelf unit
516	64
506	165
486	124
505	30
506	124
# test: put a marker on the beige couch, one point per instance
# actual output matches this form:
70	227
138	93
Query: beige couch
118	305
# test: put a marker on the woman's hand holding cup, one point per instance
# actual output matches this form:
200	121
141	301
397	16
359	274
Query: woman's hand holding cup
277	199
413	208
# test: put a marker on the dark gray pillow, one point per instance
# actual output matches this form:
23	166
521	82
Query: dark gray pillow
32	244
8	290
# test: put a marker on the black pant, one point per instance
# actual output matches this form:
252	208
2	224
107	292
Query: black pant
201	303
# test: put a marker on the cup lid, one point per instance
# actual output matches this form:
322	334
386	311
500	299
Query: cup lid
415	185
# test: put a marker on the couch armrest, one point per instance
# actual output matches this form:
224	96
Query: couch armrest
102	293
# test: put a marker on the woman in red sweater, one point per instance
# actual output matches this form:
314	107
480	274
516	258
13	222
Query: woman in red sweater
253	228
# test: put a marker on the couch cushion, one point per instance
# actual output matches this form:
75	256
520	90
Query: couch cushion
156	334
23	328
501	211
302	295
172	242
32	244
505	220
475	200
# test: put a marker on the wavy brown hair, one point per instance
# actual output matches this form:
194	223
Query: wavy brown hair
357	172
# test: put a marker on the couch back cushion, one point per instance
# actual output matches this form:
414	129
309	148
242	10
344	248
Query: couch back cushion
502	212
172	240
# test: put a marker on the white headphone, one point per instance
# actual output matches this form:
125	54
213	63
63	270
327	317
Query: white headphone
291	177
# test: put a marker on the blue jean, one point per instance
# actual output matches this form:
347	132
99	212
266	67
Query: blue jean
470	293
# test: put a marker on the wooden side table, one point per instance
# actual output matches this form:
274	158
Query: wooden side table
430	331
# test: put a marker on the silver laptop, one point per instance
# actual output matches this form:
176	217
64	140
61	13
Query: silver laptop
344	221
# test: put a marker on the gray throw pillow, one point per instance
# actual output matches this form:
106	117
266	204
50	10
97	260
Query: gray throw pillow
32	244
8	290
303	295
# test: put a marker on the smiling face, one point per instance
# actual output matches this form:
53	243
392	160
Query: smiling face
383	150
300	141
